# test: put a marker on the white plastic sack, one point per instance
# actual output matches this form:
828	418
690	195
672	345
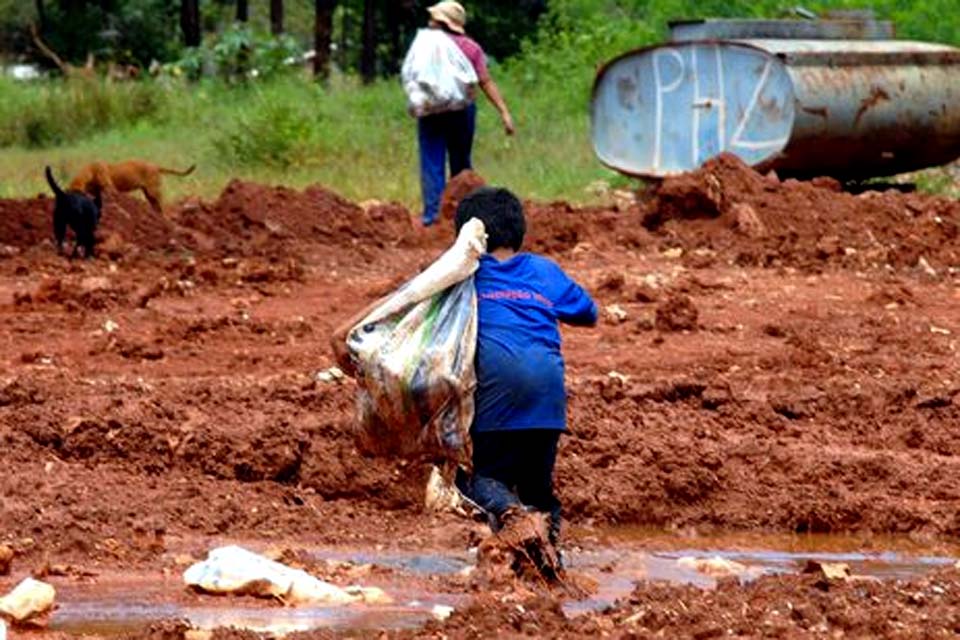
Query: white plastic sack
29	599
414	355
436	75
236	570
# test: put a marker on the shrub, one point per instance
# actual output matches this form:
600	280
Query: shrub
49	113
239	53
275	132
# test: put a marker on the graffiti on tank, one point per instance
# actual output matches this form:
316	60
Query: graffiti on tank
705	65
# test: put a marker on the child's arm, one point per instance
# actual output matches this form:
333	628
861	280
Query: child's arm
575	306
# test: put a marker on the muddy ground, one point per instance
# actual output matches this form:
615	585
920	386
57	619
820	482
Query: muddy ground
773	356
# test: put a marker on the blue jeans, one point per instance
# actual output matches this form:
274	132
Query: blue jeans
514	468
441	134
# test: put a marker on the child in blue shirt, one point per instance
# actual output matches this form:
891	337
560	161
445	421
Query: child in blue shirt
520	396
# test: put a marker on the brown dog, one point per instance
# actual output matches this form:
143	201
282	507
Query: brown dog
129	175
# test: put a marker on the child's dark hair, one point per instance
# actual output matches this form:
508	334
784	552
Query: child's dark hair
501	214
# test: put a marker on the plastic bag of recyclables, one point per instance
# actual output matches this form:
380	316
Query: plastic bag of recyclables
414	356
238	571
436	75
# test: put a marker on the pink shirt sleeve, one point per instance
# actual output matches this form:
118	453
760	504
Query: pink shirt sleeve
474	54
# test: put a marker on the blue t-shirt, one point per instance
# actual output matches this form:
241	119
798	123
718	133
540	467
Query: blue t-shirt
518	363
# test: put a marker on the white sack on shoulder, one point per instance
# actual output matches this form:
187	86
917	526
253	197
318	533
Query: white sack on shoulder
436	75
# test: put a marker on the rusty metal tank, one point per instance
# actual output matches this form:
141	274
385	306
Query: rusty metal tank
816	105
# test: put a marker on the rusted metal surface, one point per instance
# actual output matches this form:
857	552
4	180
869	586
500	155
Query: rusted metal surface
847	108
846	29
870	108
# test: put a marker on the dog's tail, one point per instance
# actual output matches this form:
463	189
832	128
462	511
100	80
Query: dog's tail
53	183
174	172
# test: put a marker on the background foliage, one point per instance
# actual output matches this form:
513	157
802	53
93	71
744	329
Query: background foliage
209	107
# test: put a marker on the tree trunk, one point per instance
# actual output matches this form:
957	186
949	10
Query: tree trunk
276	17
393	17
243	10
323	32
190	22
368	55
346	30
41	15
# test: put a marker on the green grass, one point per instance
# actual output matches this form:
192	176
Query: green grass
356	140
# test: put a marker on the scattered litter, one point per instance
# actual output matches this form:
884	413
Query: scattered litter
333	374
828	570
616	312
715	567
110	326
940	330
673	253
634	618
598	188
441	611
927	269
29	600
372	203
620	377
238	571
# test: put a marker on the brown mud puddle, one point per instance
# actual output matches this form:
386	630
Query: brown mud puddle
123	604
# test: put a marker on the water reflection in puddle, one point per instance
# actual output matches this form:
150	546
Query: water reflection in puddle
126	606
616	561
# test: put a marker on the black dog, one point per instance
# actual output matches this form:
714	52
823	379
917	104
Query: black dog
79	212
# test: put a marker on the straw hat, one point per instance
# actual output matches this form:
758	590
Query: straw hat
450	13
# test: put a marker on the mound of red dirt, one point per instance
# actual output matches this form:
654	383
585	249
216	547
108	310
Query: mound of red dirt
246	212
732	211
456	190
559	227
126	221
26	222
246	219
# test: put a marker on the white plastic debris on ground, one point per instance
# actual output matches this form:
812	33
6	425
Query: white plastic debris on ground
236	570
29	599
715	567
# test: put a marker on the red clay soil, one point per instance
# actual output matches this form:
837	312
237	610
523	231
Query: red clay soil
792	606
800	606
772	355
